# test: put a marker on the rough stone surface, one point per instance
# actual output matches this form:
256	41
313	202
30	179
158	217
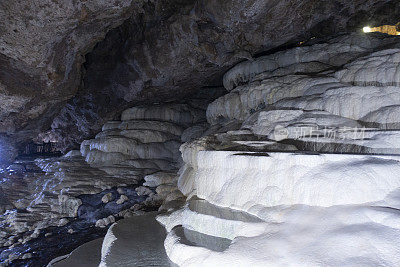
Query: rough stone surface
42	48
162	50
61	193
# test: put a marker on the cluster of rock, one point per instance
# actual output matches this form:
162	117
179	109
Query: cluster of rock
145	145
166	185
267	185
102	182
51	195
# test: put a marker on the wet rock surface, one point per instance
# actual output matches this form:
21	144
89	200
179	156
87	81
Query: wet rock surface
62	242
128	169
67	223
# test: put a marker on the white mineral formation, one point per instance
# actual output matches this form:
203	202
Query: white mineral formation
144	143
299	166
255	197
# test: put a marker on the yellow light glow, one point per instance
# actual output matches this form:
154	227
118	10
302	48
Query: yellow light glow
367	29
387	29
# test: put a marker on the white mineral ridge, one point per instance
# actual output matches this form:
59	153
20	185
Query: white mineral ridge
249	181
143	136
203	217
265	122
306	236
134	148
381	68
336	52
385	115
73	153
108	242
180	114
161	126
382	142
286	80
351	102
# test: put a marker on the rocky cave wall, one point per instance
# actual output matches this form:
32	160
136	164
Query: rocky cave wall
158	50
69	68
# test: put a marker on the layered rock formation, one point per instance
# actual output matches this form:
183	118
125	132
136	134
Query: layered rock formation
151	51
299	165
99	184
303	169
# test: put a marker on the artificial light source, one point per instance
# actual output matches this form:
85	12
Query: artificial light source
367	29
